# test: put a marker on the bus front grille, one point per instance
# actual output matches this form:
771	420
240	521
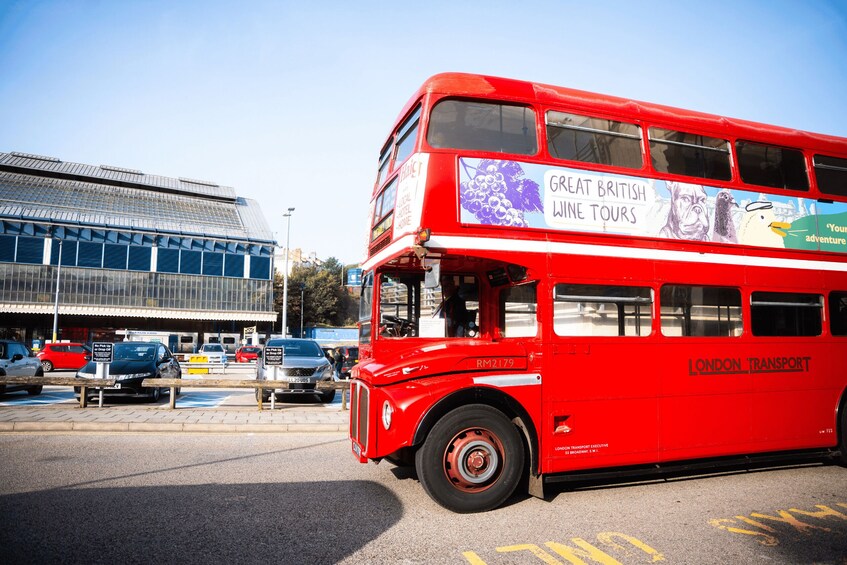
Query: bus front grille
359	413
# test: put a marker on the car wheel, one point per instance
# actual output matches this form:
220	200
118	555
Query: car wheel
155	394
472	459
34	390
47	365
328	396
265	396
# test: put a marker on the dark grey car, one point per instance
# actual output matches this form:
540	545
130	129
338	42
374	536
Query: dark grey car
304	365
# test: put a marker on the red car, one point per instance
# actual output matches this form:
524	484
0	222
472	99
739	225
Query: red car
63	356
247	353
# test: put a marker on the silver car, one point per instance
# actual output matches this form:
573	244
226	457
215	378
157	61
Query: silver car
303	366
16	360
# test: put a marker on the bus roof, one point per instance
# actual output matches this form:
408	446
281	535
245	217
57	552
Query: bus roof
489	87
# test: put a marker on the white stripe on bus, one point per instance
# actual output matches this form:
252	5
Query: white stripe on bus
503	381
535	246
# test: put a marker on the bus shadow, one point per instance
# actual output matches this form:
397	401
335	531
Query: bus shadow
321	522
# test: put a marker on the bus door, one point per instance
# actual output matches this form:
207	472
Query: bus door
601	383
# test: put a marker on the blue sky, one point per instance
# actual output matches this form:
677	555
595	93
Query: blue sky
290	102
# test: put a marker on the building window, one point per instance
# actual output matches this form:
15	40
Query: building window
139	258
234	265
7	248
191	262
167	261
260	268
114	256
30	250
90	255
213	264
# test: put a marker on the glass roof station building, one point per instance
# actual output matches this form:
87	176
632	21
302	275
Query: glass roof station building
130	251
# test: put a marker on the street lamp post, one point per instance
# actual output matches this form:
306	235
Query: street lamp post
285	275
56	306
302	307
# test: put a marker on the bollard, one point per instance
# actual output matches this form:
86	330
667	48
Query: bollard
344	399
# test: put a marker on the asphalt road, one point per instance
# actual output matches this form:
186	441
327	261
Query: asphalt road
291	498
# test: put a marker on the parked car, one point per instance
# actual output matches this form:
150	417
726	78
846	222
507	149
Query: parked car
64	356
134	361
304	365
16	360
247	353
351	357
214	351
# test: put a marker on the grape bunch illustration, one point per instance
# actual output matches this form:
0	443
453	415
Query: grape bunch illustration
497	194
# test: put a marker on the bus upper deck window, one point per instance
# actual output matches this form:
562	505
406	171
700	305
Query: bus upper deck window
769	165
831	174
483	126
690	154
594	140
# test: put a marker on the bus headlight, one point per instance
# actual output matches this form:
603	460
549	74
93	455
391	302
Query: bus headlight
387	413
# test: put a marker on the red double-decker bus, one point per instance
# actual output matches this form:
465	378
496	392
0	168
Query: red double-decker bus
561	284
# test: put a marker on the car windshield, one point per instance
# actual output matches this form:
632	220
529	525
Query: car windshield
213	348
297	348
134	351
251	350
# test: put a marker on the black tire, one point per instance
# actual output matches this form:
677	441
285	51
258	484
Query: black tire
842	433
266	397
328	396
155	394
472	459
34	390
47	366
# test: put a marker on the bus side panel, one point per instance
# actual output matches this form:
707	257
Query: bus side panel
600	403
797	388
705	404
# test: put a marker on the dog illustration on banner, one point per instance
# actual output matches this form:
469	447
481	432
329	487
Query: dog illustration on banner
688	217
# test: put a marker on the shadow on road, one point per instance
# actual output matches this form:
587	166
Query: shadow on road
232	523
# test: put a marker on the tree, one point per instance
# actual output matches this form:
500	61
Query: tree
326	302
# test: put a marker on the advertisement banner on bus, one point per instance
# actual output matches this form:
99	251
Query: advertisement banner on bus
512	193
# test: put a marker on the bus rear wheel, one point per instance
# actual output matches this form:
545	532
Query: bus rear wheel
472	459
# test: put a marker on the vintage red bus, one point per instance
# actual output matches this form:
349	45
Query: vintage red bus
561	283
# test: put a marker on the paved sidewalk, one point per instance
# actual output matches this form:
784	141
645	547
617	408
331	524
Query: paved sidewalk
239	415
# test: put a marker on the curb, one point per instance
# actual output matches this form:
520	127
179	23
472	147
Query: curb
142	427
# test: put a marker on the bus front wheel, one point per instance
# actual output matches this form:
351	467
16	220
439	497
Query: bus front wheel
472	459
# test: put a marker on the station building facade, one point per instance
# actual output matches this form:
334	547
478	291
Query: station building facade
130	251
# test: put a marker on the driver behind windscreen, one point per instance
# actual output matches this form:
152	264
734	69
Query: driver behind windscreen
452	308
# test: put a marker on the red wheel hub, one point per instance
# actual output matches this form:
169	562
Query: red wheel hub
473	460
